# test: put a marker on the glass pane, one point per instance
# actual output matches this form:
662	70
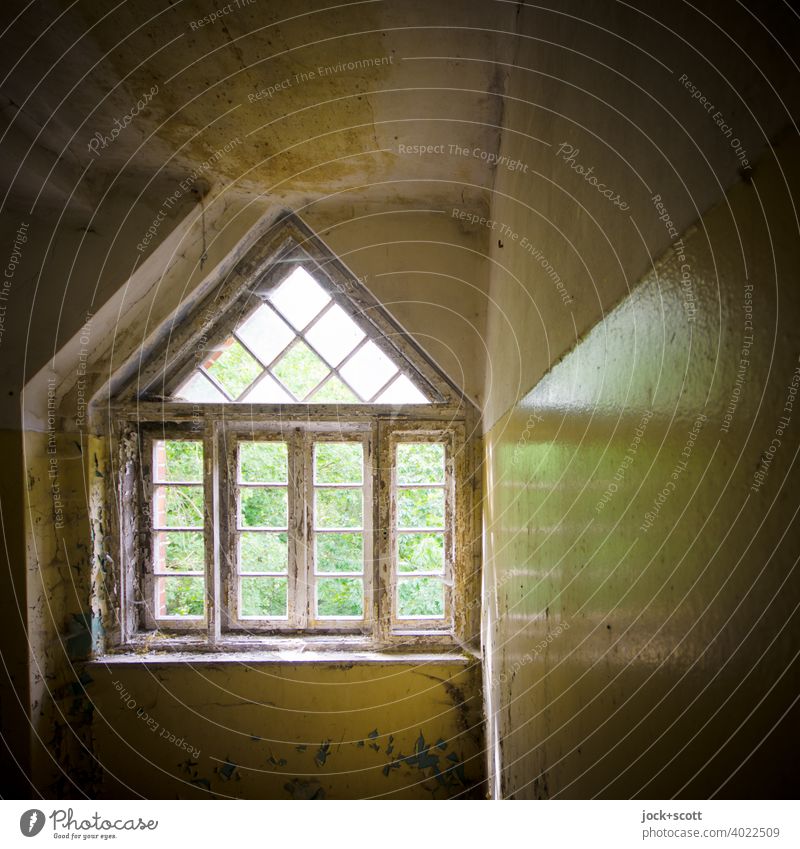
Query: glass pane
263	462
401	391
180	551
263	552
420	552
265	597
267	391
333	391
180	596
299	298
265	334
340	597
339	553
420	462
338	508
420	508
178	507
368	370
199	390
179	460
420	597
233	368
335	335
338	462
264	508
300	370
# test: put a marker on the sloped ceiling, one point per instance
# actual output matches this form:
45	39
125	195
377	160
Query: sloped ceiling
311	98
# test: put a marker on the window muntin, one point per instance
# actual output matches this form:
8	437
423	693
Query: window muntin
422	516
298	347
337	545
262	530
175	586
294	529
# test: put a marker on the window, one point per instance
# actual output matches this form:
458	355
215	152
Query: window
293	466
298	345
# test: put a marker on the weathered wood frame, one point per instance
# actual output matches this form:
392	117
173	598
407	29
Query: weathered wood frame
138	407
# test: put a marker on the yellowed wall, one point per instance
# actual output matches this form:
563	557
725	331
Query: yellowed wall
606	80
256	730
627	657
14	684
71	755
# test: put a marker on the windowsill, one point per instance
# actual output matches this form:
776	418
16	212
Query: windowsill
321	650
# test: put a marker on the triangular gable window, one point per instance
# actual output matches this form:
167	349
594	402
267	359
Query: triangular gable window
298	346
290	324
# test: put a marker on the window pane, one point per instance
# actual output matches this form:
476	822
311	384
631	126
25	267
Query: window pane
340	597
199	390
339	553
180	596
338	508
263	462
338	462
299	298
267	391
233	368
264	508
179	507
420	462
300	370
265	334
401	391
333	391
420	508
263	552
180	551
420	553
335	335
179	460
265	597
368	370
420	597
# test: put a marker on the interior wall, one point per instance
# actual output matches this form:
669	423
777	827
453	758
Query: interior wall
599	128
438	705
641	535
330	729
